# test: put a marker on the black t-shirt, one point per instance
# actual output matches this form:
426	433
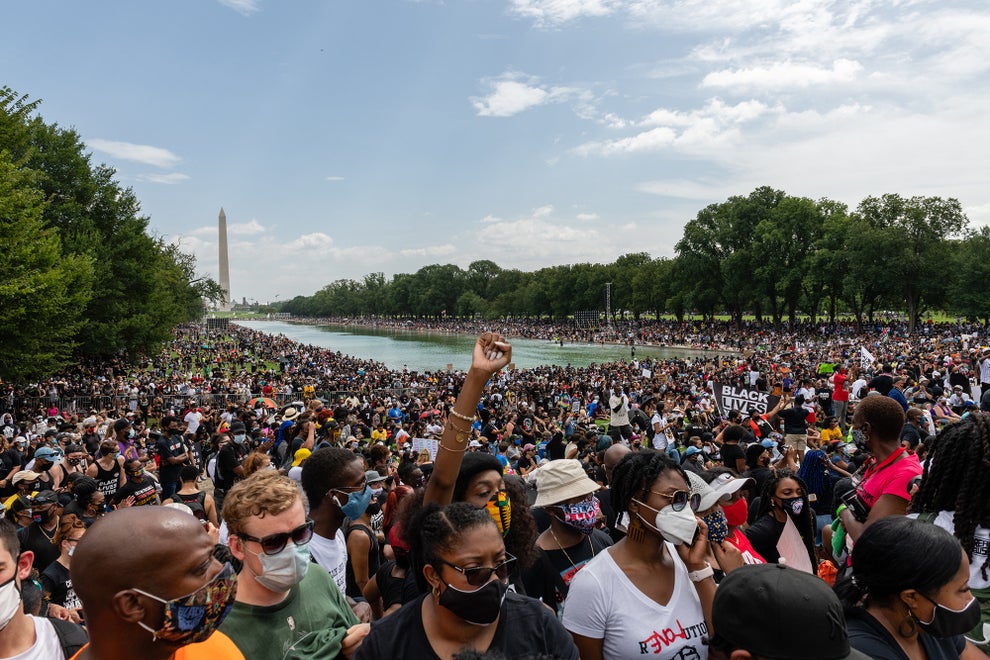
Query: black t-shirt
882	384
550	575
228	458
41	544
731	452
390	587
144	492
867	635
763	535
56	581
525	426
525	629
524	463
760	476
169	446
795	420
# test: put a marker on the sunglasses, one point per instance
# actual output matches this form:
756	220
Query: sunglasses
275	543
679	498
478	576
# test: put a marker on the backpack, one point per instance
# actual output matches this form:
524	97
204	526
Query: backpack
71	637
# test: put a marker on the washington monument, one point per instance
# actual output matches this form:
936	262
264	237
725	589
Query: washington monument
224	263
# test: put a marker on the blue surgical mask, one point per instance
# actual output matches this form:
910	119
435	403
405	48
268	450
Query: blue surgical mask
357	503
239	438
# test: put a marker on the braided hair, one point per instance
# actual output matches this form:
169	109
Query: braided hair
957	479
814	472
439	529
805	522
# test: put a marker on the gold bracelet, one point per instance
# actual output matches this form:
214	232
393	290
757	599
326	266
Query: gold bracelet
451	424
451	449
460	436
469	420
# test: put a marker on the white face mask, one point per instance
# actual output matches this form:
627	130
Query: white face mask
10	601
678	527
281	572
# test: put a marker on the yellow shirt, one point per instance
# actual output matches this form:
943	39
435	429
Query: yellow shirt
828	435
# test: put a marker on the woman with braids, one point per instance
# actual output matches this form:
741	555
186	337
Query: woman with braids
816	472
907	596
955	495
650	593
785	496
463	567
477	478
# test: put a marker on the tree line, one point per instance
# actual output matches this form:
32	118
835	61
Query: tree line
768	254
80	274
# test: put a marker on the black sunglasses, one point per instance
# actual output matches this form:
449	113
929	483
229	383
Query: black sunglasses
478	576
275	543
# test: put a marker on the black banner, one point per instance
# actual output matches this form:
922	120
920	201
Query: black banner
744	399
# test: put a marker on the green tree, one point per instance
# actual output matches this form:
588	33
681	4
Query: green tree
918	229
42	292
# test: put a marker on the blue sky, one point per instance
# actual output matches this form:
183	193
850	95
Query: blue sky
344	137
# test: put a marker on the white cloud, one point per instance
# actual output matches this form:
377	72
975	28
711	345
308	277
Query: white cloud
546	13
587	216
488	219
431	251
243	7
335	178
139	153
784	75
317	241
514	92
543	211
251	228
978	214
171	178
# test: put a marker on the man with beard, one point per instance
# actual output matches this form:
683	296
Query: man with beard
39	536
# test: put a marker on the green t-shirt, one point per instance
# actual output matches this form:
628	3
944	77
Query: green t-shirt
310	623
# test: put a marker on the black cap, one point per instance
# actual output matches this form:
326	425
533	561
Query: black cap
808	620
121	424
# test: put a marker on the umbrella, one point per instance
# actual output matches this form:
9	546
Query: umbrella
259	401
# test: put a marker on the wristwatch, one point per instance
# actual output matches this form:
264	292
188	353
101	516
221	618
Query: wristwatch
702	573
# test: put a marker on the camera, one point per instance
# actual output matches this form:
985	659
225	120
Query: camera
855	504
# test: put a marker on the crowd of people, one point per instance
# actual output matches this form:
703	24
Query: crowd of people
243	496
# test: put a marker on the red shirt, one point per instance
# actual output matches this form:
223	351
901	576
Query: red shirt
749	555
839	391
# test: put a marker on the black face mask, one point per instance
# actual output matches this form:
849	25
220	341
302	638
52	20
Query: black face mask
947	622
793	506
479	607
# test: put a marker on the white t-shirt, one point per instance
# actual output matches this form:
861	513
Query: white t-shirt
981	541
602	603
331	554
619	417
46	645
192	421
659	439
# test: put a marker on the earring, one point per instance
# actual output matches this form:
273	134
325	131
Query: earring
908	627
635	531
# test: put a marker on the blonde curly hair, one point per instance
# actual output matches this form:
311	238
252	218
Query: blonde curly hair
263	493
